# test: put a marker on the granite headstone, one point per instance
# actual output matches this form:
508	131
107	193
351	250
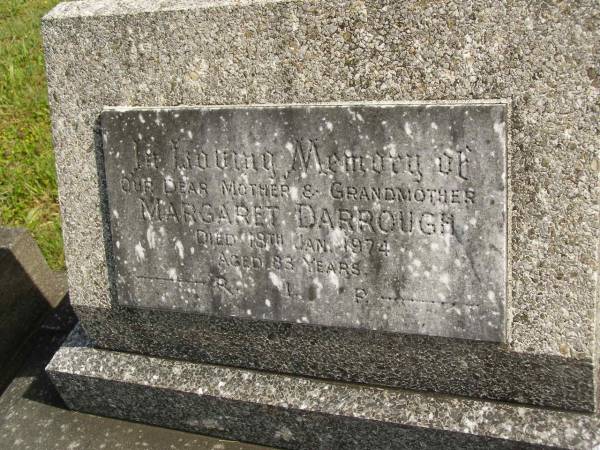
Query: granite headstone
382	216
200	309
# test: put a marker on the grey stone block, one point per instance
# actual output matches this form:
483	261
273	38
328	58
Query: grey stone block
540	58
253	212
28	289
300	413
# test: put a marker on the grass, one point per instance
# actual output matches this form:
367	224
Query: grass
28	194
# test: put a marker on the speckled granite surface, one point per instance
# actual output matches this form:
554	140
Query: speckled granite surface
295	412
540	57
34	417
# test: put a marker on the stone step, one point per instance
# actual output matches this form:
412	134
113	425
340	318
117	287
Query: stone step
297	412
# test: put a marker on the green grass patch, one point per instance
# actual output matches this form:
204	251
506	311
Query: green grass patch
28	195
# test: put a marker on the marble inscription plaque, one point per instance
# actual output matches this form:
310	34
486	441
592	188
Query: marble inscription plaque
388	217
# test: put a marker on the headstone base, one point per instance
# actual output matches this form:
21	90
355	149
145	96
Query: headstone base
295	412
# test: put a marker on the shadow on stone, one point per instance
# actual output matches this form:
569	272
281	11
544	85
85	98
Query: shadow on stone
30	290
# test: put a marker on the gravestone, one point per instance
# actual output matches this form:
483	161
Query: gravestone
28	291
272	207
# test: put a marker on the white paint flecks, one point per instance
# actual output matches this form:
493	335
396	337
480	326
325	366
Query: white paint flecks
334	279
445	278
275	280
391	147
151	237
284	433
289	147
337	237
179	247
318	286
140	252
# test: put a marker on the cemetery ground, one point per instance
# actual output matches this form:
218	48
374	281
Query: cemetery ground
28	193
